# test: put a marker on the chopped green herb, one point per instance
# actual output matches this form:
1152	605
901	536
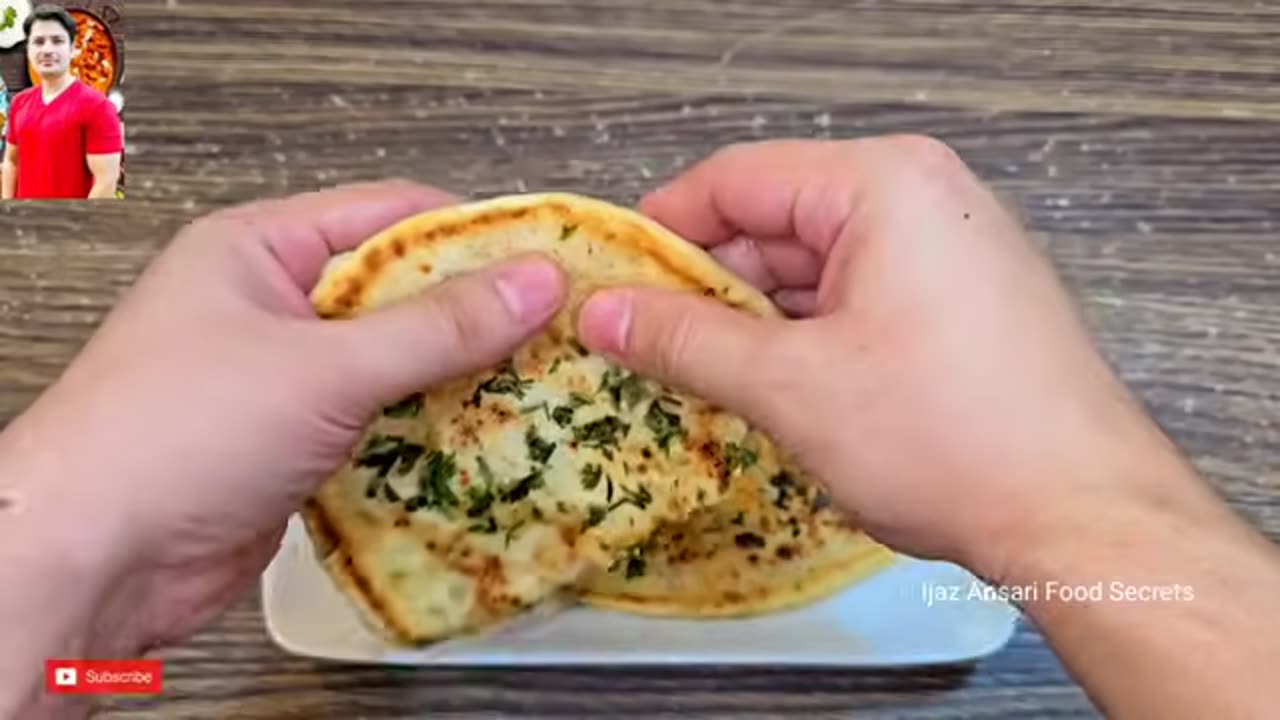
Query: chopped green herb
409	454
562	416
608	495
577	400
485	473
555	365
591	476
539	450
603	434
406	408
523	487
390	493
534	408
784	484
506	382
739	457
561	507
10	18
567	231
623	387
635	566
479	500
639	497
414	503
381	452
664	424
433	480
511	532
596	515
488	528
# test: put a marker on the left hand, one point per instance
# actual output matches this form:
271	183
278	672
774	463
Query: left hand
213	401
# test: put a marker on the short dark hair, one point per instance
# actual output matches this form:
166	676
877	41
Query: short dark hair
55	13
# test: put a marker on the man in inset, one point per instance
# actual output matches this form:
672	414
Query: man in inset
64	138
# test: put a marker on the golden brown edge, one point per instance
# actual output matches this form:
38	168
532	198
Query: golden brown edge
872	558
332	554
343	286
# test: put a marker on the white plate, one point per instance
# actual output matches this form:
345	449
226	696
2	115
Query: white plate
14	34
883	621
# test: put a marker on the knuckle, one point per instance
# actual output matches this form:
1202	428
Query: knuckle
923	148
452	327
675	343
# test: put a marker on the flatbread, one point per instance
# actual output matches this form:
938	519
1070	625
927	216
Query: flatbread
472	502
774	542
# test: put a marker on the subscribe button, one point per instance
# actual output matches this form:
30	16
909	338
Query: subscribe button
102	677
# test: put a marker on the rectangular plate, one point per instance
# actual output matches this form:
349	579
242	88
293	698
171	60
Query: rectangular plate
884	621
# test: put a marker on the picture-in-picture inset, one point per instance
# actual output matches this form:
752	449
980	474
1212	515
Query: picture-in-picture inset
61	68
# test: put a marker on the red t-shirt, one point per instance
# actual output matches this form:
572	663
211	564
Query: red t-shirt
53	140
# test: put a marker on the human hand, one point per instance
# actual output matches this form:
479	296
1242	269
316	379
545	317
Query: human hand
938	378
212	401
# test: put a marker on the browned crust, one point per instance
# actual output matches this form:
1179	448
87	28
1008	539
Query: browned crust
344	290
333	556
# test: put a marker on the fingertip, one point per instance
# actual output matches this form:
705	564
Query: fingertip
605	320
651	203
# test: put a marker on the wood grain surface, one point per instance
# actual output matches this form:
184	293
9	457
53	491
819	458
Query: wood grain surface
1138	139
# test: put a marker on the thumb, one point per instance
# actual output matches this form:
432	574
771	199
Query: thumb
462	326
687	341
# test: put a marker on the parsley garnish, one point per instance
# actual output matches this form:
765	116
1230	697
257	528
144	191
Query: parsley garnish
591	476
480	499
523	487
623	387
635	566
381	452
739	457
562	416
539	450
511	532
664	424
555	364
577	400
433	480
406	408
540	406
487	528
506	382
603	434
485	473
784	483
639	497
595	515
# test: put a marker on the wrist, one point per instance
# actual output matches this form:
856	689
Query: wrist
1125	492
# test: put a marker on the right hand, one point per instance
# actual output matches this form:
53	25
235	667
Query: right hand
938	379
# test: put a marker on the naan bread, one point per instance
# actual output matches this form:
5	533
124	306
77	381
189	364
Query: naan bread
469	503
772	543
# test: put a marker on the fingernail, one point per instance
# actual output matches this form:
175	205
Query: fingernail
530	289
606	320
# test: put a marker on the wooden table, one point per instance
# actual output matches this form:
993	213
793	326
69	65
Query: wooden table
1139	139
